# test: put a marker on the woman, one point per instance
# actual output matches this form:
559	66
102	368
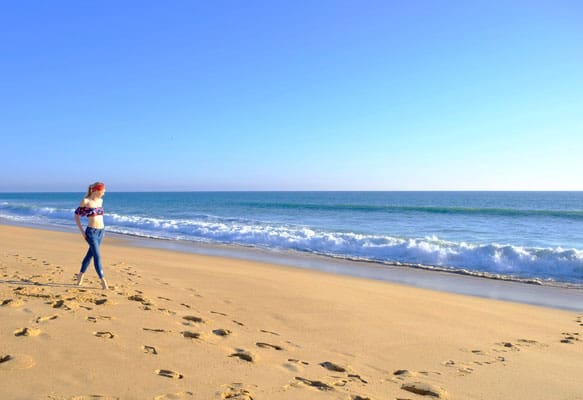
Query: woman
92	208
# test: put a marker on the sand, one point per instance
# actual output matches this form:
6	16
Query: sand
185	326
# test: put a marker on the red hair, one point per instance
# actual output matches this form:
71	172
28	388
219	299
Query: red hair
97	187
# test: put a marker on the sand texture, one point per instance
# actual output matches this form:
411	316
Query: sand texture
183	326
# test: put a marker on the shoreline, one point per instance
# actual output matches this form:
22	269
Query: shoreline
564	297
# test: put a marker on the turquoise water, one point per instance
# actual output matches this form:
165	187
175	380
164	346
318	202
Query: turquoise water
522	235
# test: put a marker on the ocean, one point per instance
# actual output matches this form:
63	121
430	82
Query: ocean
523	236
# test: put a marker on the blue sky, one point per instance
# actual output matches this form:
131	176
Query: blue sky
292	95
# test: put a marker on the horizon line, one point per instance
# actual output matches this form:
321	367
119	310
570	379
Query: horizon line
307	190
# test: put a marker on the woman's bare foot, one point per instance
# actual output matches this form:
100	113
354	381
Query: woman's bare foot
79	279
104	284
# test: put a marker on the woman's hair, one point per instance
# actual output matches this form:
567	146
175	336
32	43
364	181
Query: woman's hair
90	189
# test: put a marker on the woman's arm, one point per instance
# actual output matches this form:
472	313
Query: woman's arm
78	220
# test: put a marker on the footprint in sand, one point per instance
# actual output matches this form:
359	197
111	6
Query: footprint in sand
506	346
149	349
12	362
243	355
192	318
190	335
31	292
268	346
500	347
468	367
298	361
222	332
570	337
60	304
297	346
175	396
76	290
105	335
169	374
294	365
424	389
529	342
47	318
332	367
239	323
157	330
27	332
271	333
219	313
315	384
237	391
141	299
95	319
10	303
462	369
402	374
358	378
166	311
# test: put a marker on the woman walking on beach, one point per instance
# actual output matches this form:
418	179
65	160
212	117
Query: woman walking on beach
92	207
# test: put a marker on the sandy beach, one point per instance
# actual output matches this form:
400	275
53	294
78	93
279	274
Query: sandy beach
184	326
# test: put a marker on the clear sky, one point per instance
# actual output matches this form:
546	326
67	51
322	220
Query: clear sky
291	95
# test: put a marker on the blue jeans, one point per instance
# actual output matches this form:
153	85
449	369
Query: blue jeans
94	238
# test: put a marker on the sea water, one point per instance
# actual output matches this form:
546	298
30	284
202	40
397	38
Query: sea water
533	236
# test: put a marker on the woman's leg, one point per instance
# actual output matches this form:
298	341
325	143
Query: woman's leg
97	237
99	265
87	260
